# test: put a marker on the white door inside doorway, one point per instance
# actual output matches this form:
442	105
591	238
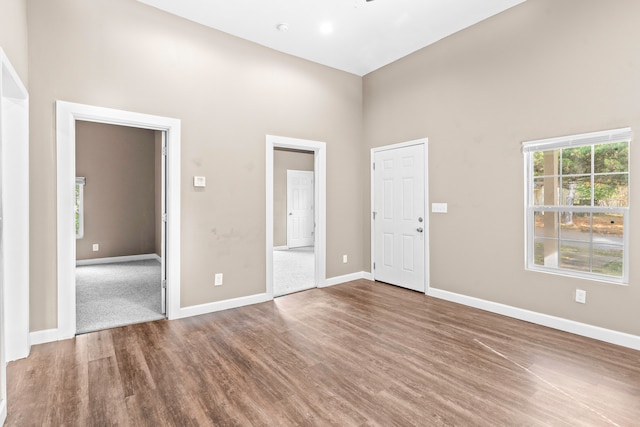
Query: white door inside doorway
399	225
300	210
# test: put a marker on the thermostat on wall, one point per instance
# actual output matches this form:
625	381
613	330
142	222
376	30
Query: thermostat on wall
199	181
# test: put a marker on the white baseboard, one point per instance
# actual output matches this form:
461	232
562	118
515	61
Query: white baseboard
196	310
332	281
280	248
367	275
212	307
583	329
110	260
44	336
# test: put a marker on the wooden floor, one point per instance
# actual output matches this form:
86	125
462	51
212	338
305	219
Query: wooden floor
357	354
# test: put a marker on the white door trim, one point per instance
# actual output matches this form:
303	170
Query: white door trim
66	115
320	198
14	126
425	143
14	285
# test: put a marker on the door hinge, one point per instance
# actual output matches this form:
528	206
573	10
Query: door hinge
164	217
374	215
165	150
374	166
164	284
374	265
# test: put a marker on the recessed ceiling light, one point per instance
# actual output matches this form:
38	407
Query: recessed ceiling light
282	27
326	28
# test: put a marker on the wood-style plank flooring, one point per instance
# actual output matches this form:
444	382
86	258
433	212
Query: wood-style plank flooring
357	354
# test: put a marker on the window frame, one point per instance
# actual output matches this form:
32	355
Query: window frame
80	183
587	139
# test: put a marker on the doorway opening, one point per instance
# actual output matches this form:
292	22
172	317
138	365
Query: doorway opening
400	220
294	221
168	129
295	249
120	234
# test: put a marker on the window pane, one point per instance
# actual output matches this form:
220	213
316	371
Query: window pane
546	162
576	160
576	190
545	252
611	157
607	260
545	191
611	190
575	226
608	228
575	256
546	224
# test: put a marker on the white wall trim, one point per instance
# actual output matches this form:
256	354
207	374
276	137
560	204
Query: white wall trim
51	335
281	248
427	257
14	137
583	329
320	200
66	115
111	260
332	281
44	336
196	310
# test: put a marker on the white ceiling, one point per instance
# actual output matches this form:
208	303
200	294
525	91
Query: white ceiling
365	37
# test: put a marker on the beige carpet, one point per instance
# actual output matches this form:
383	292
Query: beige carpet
293	270
111	295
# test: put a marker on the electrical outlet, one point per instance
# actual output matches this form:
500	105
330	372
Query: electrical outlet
344	259
96	247
581	296
218	280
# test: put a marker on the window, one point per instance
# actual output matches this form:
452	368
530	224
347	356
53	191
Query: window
577	205
79	207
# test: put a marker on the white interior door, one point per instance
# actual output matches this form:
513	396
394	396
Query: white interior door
399	216
163	228
300	216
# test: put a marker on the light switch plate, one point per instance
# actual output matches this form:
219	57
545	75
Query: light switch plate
199	181
439	207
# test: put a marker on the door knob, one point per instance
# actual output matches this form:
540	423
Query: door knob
419	230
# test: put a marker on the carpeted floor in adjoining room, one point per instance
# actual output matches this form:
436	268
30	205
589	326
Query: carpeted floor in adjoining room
117	294
293	270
